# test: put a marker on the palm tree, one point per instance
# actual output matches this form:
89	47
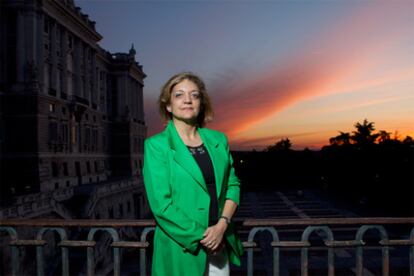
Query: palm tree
364	134
344	138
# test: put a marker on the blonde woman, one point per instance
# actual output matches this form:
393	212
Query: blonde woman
191	186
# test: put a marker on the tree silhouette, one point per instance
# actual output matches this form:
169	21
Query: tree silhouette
344	138
282	145
384	136
408	140
364	134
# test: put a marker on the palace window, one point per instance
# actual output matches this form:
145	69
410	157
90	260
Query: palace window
88	166
65	169
53	131
55	172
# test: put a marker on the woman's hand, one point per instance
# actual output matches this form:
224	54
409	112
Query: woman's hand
213	236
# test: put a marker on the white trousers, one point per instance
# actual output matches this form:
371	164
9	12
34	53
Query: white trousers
218	264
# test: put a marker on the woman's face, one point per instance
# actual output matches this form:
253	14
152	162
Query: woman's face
185	101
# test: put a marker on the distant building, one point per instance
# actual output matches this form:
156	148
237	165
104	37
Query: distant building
71	116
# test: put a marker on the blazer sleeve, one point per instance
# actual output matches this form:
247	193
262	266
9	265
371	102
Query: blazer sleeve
171	219
233	184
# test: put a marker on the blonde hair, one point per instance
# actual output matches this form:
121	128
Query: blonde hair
206	110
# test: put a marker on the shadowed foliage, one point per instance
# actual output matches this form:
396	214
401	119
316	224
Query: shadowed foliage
368	171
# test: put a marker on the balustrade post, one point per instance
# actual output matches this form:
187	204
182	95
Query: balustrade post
276	250
359	250
40	253
91	255
14	250
142	251
304	251
412	253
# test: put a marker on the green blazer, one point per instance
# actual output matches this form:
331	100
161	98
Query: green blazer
179	199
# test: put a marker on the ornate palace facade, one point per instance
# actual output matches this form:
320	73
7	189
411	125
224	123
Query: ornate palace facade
71	116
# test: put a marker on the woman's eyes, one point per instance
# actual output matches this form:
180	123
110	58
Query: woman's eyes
194	95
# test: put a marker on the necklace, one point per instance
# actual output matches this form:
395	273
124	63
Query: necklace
197	150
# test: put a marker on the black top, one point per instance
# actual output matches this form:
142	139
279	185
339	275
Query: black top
203	160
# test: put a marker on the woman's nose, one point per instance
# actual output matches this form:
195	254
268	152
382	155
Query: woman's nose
187	98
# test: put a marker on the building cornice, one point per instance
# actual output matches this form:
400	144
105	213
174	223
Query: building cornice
137	73
72	22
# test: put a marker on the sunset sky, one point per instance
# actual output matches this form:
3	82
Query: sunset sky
275	69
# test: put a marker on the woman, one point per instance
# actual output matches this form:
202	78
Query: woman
191	186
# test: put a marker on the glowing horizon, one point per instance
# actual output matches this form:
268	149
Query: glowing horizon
278	69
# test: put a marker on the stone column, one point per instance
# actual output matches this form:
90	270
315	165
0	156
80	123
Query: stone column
53	56
20	50
64	54
131	98
30	64
126	107
87	76
104	91
77	66
133	91
3	36
121	91
94	80
39	49
141	102
136	99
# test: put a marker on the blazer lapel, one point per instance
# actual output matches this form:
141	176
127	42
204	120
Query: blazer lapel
213	147
183	156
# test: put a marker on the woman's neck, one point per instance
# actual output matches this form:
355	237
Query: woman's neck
187	132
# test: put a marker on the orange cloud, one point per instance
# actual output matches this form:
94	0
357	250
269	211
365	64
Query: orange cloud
345	52
261	142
